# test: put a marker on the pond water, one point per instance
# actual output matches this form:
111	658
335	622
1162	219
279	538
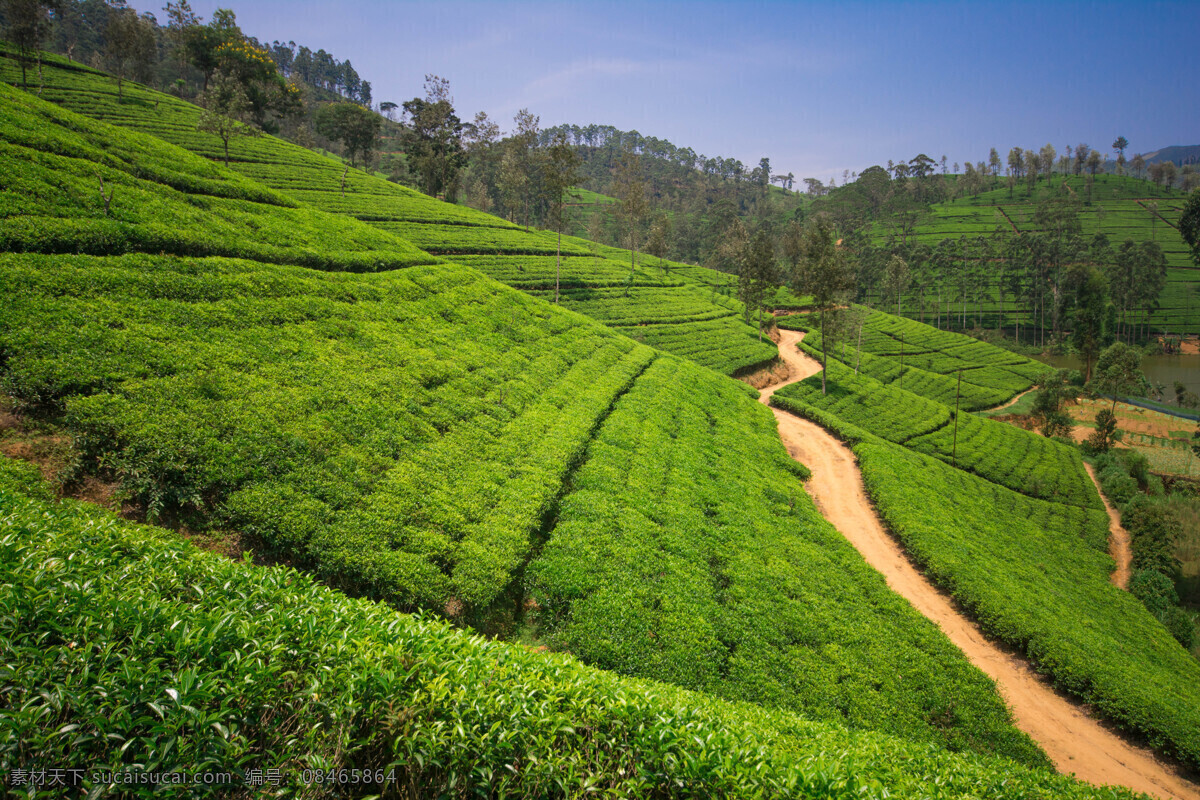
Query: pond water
1159	369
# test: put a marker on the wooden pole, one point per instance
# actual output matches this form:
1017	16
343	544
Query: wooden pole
957	395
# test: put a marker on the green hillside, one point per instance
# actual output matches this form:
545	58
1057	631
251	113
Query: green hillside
492	245
1121	207
430	437
1018	534
202	651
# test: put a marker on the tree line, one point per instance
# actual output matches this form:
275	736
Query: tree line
180	56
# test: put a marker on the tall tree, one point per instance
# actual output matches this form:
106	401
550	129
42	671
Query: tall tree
658	241
823	271
631	192
561	173
28	25
180	20
523	146
897	277
1138	163
432	140
129	45
757	275
226	111
1048	154
1189	224
1119	144
1082	151
354	126
1089	332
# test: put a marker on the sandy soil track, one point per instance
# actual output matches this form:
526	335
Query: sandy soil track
1073	740
1118	540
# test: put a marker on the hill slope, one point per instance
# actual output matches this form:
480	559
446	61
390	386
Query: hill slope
431	437
670	304
1018	536
1120	207
200	649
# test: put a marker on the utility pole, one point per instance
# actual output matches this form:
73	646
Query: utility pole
957	394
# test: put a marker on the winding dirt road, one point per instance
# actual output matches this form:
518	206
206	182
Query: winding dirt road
1075	742
1119	546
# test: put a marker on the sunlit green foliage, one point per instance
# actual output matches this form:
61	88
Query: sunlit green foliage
1021	544
60	167
686	551
439	228
204	652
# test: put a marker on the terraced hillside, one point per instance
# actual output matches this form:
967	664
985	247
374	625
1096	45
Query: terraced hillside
201	649
928	361
428	436
1017	534
1122	208
673	312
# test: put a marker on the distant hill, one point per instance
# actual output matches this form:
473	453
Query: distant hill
1180	154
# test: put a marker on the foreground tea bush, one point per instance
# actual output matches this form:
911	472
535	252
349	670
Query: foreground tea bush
687	551
219	666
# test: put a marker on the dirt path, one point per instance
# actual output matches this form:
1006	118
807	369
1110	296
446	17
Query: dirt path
1012	402
1074	741
1118	540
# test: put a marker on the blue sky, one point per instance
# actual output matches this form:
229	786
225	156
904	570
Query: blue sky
816	87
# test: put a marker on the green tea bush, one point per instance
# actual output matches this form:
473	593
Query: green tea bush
997	452
1035	575
224	667
687	552
517	256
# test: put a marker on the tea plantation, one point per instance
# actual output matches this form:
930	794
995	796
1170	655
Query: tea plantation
427	436
204	652
1018	536
499	248
1120	206
926	361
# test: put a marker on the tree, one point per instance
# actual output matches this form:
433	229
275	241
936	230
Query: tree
658	241
28	26
180	21
823	271
1106	432
268	95
1082	151
129	45
225	111
354	126
1048	154
1189	225
432	140
757	275
1088	319
523	146
561	173
631	192
1139	164
1119	144
1118	372
1047	413
897	278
